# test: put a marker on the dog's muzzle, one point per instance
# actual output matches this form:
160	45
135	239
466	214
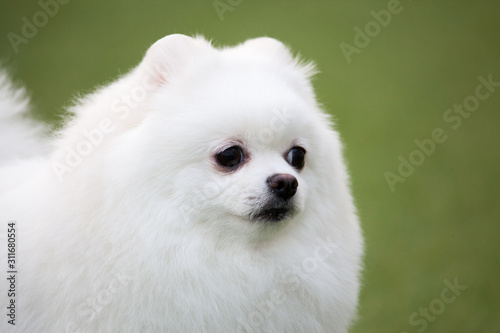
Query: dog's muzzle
280	206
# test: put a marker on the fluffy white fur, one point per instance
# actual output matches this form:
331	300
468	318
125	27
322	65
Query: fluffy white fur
20	137
129	224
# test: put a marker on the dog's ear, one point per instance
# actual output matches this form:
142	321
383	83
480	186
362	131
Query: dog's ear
267	46
270	48
274	51
169	56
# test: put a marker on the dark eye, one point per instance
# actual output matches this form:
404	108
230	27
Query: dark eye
230	157
296	157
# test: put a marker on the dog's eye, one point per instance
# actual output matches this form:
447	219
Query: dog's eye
230	157
296	157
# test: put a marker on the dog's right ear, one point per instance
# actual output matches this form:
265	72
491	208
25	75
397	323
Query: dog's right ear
169	56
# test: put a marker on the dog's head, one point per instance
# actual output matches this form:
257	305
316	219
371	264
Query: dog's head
235	137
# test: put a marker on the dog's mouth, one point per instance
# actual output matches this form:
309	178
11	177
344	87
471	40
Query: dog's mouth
273	213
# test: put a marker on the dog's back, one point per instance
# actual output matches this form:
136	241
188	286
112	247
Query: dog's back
20	136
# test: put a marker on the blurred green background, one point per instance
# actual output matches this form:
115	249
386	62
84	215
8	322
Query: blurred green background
441	223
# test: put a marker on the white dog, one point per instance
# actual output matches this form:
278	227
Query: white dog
205	191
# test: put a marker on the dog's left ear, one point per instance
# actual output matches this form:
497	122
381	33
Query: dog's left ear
273	50
169	57
268	46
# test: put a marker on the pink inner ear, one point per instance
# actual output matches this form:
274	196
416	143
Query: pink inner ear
160	77
154	73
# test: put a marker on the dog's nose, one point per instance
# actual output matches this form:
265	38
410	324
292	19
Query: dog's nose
283	185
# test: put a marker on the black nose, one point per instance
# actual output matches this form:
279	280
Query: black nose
283	185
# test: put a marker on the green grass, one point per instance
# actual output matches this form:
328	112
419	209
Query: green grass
441	223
